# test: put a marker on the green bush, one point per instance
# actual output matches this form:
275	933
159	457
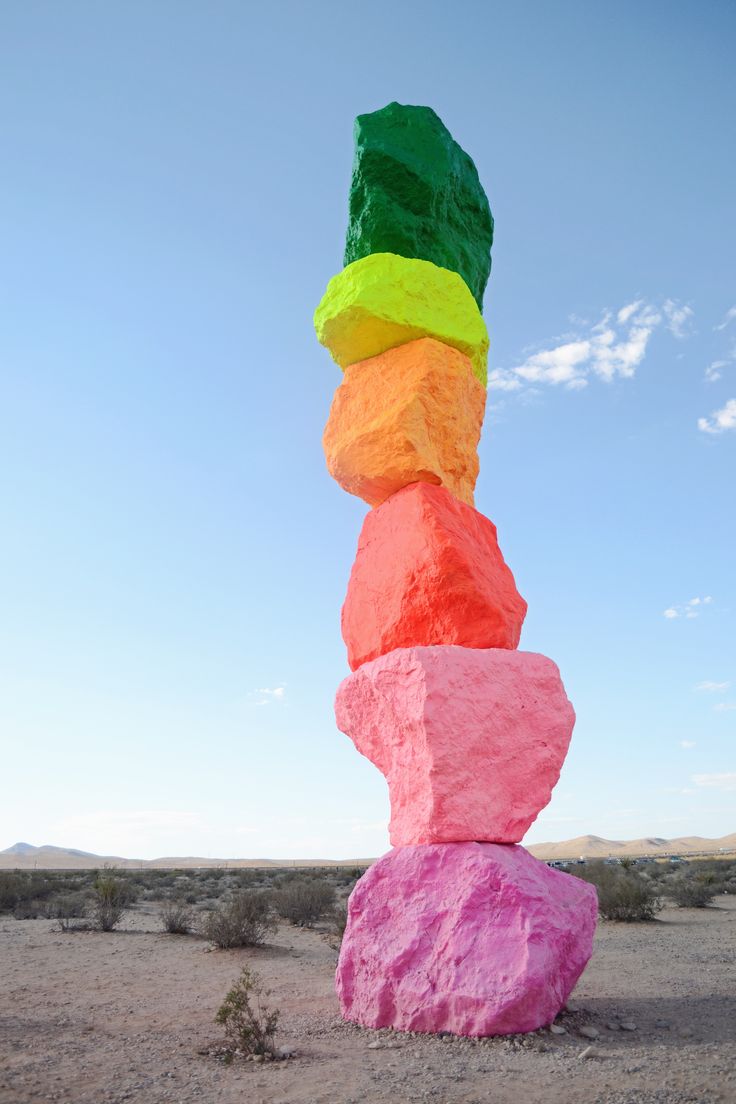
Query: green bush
250	1025
244	921
111	896
304	902
622	894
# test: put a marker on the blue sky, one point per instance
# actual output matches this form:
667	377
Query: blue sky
174	554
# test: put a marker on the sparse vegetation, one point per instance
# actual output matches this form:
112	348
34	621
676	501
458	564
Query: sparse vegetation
250	1025
688	891
176	916
244	921
305	902
339	920
623	894
112	895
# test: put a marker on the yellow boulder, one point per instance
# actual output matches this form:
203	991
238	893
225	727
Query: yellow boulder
412	414
384	300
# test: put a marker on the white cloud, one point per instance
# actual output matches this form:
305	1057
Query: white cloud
720	420
725	782
713	371
626	312
613	347
712	687
727	318
678	318
724	707
268	694
687	743
689	610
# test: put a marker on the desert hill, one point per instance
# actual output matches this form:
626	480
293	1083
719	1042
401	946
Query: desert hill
24	856
594	847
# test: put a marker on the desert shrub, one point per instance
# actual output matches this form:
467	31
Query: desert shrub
690	892
339	920
23	892
250	1025
111	896
304	902
69	909
622	894
244	921
176	917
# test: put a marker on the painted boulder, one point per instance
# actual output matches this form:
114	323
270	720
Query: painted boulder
470	742
416	192
470	938
385	300
412	414
428	571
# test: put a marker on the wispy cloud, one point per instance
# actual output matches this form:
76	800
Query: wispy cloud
724	707
687	744
678	318
712	687
728	318
725	781
611	348
266	695
689	610
720	420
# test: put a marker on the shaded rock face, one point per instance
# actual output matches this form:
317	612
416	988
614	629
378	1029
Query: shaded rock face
415	192
385	300
471	742
428	571
412	414
470	938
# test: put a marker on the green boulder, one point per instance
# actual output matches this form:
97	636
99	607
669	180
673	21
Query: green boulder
416	192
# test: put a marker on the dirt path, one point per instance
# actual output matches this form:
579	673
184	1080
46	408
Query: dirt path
91	1018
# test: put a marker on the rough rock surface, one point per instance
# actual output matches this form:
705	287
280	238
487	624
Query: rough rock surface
412	414
428	571
470	938
416	192
384	300
471	742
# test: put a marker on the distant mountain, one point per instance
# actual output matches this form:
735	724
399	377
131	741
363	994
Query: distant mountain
46	849
24	856
595	847
19	849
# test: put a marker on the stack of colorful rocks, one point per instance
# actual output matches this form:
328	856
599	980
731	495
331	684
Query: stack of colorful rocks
457	929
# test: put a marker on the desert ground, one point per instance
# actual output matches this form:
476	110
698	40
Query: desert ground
88	1017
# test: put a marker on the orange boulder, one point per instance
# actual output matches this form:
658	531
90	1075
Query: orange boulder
411	414
428	571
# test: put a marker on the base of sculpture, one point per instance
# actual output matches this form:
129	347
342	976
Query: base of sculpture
470	938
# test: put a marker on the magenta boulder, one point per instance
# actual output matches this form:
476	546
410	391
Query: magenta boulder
470	938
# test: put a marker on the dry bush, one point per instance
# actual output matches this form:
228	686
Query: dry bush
176	916
70	911
622	894
690	892
250	1025
339	920
304	902
244	921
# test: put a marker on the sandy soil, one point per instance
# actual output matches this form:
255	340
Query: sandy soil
92	1018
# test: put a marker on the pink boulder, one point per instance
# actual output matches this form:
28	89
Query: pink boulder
470	741
428	571
471	938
